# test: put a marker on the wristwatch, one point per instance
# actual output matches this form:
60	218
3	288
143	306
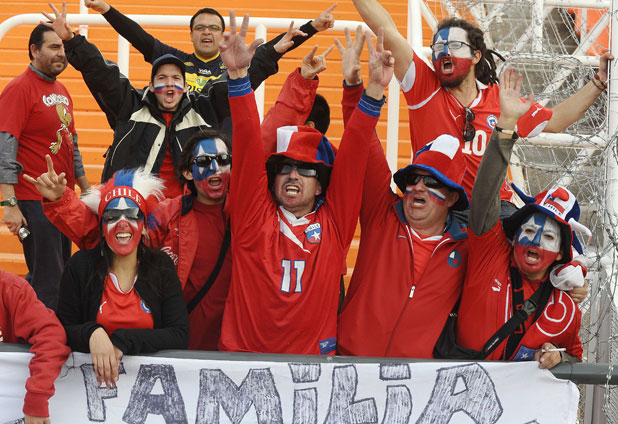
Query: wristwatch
11	201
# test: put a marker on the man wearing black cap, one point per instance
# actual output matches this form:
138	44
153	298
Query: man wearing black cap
150	125
509	262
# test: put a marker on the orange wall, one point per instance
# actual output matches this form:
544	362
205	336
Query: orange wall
94	134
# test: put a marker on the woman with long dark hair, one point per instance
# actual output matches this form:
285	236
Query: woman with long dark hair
122	297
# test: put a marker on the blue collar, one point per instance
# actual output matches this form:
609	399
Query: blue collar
455	230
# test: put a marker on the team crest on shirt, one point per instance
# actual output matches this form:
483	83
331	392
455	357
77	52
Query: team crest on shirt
454	258
314	233
145	307
327	346
492	121
524	354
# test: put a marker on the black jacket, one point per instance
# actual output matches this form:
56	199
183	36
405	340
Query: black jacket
80	298
140	131
209	77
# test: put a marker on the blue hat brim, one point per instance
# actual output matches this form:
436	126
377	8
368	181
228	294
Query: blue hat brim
400	178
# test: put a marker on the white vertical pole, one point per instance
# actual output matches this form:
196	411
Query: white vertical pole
611	197
123	55
260	32
537	26
83	10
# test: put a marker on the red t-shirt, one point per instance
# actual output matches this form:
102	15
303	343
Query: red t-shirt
209	313
423	249
120	309
167	172
435	111
39	113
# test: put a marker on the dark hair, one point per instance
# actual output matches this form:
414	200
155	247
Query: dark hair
152	265
320	114
208	11
485	70
36	38
186	157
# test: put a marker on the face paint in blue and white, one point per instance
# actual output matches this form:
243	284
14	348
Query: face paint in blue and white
537	245
454	60
213	180
122	225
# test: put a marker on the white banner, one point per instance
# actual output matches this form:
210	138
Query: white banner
168	390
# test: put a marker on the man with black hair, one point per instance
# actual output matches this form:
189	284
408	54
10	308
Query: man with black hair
298	102
205	69
37	119
319	117
150	125
460	97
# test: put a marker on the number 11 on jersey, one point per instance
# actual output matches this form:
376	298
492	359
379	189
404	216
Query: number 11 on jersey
299	268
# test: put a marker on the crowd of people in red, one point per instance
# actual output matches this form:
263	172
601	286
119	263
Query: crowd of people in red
188	244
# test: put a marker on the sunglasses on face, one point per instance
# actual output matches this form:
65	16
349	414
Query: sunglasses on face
110	215
469	131
205	161
453	46
429	180
304	170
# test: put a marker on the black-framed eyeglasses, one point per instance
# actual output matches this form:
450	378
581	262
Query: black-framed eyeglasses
429	180
453	46
112	214
303	169
204	161
468	130
211	28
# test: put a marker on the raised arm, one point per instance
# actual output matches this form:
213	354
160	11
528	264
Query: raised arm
64	209
344	193
131	30
485	207
376	16
112	91
573	108
248	186
377	177
266	58
295	99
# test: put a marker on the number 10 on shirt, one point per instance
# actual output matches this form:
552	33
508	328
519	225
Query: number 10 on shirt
299	268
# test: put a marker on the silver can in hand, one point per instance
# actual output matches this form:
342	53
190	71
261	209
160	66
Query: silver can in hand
23	233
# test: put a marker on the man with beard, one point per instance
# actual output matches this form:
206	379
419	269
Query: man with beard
293	221
37	119
461	96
